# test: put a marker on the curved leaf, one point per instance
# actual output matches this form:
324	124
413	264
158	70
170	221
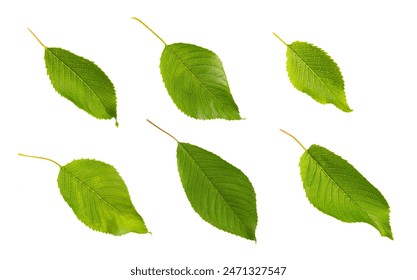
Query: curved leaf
312	71
196	81
99	197
336	188
82	82
219	192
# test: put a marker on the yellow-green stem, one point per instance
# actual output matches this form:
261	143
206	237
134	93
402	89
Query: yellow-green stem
36	37
279	38
294	139
153	32
44	158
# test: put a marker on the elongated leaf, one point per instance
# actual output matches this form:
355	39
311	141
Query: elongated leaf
219	192
99	197
312	71
82	82
196	81
336	188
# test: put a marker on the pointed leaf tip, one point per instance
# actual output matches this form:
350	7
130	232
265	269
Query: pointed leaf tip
311	70
336	188
219	192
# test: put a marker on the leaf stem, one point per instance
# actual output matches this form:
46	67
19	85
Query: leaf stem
162	130
135	18
279	38
293	137
44	158
36	37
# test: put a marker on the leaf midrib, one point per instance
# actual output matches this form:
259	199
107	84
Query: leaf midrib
75	74
343	191
211	183
195	77
315	74
91	190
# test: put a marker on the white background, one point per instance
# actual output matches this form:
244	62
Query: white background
374	44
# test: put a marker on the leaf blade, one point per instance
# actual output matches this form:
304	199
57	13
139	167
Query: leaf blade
82	82
196	81
311	70
219	192
99	197
336	188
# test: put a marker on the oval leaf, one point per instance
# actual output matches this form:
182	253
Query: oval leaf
195	80
219	192
312	71
336	188
82	82
99	197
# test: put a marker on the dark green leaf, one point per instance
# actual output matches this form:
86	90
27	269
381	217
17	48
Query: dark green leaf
219	192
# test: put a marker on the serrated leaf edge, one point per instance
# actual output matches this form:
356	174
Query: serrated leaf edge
89	189
388	234
89	87
348	109
202	85
208	178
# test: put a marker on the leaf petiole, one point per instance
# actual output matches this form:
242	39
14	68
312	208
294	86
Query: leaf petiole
36	37
153	32
293	137
279	38
44	158
162	130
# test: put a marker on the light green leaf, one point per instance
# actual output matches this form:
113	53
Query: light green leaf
336	188
312	71
81	81
196	81
219	192
98	196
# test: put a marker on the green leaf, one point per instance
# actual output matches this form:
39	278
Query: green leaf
312	71
336	188
219	192
98	196
82	82
196	81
